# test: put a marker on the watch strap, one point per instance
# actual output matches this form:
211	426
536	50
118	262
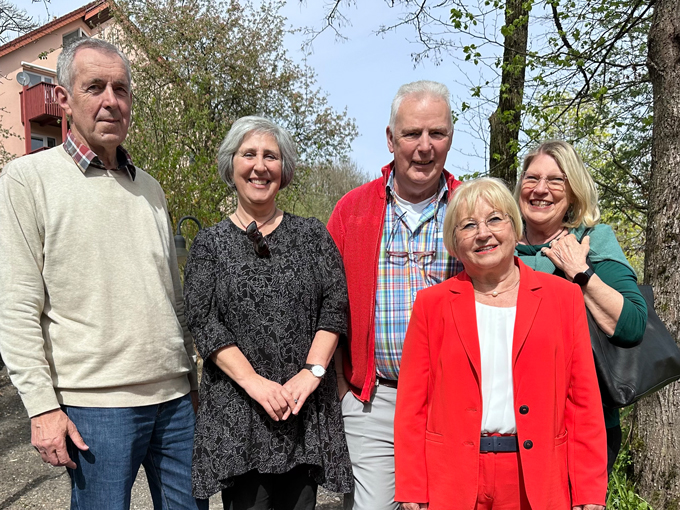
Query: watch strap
583	277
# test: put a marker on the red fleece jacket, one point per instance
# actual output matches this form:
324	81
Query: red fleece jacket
356	226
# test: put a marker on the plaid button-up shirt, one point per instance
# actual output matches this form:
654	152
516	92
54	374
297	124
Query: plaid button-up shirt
84	157
409	261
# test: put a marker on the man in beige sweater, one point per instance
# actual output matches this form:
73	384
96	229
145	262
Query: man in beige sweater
91	314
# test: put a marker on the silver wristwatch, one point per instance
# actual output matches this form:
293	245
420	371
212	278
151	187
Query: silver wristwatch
316	370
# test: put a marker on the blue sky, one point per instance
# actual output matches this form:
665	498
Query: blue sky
361	73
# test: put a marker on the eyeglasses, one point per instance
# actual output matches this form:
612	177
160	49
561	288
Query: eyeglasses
495	223
421	258
553	182
259	242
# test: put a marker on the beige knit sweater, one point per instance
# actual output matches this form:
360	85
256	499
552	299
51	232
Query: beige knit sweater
91	310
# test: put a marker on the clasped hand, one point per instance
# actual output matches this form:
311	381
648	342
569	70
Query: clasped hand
280	401
569	255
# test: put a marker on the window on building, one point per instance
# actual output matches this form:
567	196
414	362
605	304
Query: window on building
40	141
72	37
36	142
37	78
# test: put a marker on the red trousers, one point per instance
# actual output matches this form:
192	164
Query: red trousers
501	485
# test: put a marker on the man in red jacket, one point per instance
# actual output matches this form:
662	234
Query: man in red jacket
389	232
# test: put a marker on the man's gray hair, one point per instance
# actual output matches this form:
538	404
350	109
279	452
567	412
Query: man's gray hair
423	88
252	124
65	71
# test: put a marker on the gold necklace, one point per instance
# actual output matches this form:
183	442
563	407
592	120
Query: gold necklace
495	293
276	210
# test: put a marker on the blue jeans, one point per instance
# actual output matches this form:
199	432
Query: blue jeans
160	437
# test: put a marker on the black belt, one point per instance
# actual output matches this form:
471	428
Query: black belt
390	383
495	444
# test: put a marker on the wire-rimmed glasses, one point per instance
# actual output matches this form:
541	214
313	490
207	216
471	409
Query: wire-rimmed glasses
421	258
554	182
495	222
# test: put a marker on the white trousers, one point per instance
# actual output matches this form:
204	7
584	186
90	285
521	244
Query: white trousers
369	429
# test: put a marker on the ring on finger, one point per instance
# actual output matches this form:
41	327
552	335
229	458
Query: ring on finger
295	400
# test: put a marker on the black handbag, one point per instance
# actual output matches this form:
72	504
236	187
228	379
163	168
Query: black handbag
626	374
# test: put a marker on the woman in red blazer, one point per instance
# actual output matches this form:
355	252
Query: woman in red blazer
498	405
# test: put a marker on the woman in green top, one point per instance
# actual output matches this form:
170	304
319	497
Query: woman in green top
558	201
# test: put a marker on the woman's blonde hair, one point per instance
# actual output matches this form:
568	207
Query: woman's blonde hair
583	209
464	200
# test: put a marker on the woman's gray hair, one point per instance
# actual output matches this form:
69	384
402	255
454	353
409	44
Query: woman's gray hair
65	72
584	208
422	88
252	124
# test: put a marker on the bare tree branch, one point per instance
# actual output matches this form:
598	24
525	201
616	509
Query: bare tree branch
13	21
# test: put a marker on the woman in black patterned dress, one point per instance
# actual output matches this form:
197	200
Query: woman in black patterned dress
266	301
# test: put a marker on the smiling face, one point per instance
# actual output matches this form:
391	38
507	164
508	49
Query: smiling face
490	247
100	102
420	142
544	208
257	170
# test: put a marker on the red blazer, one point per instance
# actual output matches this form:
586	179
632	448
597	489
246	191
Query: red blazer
357	227
438	418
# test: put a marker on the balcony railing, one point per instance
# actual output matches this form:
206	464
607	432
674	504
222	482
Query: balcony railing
40	104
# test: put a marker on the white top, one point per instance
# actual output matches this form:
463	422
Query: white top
495	328
412	212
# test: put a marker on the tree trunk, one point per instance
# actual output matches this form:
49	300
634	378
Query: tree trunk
656	448
505	121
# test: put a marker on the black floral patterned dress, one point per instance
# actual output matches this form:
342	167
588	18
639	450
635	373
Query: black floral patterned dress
271	308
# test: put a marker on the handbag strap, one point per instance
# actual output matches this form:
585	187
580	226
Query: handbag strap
588	261
586	232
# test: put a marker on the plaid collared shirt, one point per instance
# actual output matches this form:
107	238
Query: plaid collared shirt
84	157
409	261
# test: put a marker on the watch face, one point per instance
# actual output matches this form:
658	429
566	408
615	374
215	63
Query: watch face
581	278
318	371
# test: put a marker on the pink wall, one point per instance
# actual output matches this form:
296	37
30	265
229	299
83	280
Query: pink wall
10	65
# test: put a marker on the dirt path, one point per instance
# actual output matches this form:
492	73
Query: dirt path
27	483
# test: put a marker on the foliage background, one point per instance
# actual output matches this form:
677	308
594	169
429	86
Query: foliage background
198	66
